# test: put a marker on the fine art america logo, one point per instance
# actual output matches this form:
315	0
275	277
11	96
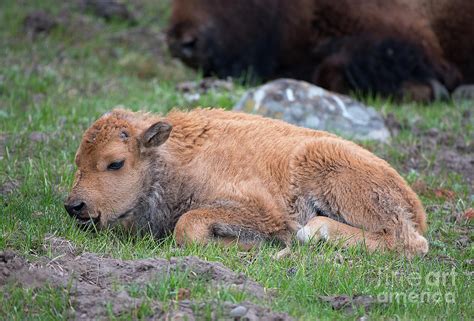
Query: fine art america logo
432	287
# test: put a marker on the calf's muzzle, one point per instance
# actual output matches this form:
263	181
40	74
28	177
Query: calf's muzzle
75	208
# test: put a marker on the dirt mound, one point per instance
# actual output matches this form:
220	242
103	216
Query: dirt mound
39	22
109	10
452	154
92	279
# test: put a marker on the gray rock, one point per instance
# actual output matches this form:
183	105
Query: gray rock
464	92
238	311
306	105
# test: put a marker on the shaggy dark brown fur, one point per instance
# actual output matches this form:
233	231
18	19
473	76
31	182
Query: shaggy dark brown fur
399	48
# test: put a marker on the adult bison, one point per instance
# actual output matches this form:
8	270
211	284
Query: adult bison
399	48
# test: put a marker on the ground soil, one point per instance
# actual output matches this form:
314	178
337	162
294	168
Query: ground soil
92	279
453	153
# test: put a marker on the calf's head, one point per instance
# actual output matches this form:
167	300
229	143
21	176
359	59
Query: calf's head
113	161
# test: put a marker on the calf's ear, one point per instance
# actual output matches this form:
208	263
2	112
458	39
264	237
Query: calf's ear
156	134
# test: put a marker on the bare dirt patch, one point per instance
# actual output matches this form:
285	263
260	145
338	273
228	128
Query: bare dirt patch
109	10
349	304
193	90
92	283
39	21
437	151
9	187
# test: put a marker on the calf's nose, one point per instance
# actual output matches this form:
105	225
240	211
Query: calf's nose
75	207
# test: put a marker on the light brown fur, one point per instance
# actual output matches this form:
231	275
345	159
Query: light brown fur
238	177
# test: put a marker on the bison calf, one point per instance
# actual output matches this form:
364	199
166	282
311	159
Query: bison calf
210	174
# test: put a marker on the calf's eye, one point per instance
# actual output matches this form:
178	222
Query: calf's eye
115	165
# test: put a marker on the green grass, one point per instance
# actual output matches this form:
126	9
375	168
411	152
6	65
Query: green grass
35	304
57	84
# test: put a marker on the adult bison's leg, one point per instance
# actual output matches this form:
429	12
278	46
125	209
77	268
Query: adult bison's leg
232	225
383	66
